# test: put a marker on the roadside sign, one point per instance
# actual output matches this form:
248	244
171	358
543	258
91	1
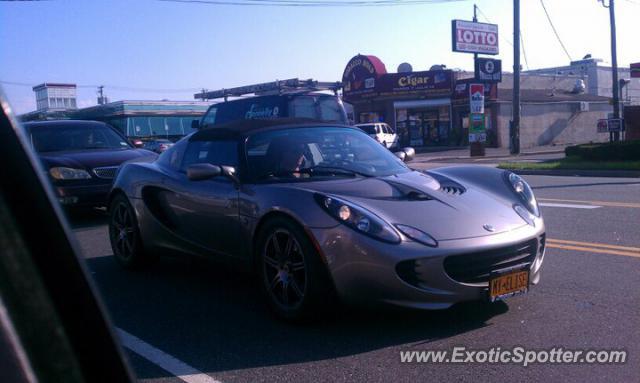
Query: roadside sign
476	98
488	69
635	70
615	125
472	37
603	126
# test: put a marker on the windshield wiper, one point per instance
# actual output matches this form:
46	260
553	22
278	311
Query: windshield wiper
316	171
321	169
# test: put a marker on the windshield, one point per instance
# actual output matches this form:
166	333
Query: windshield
56	138
318	151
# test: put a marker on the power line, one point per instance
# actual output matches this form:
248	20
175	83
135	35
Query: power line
313	3
555	31
524	52
115	87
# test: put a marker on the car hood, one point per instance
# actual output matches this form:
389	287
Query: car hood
417	199
89	159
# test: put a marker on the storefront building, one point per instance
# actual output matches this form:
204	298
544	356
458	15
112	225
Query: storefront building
426	108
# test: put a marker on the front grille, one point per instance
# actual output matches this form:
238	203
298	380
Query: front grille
107	172
476	267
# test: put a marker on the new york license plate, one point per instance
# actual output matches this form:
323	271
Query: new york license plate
503	285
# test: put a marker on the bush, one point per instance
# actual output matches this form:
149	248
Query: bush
614	151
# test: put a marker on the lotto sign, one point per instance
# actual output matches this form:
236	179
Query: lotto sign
476	98
470	37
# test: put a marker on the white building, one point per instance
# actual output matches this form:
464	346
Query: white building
597	77
55	96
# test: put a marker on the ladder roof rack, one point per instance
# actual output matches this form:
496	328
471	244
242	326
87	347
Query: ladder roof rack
293	85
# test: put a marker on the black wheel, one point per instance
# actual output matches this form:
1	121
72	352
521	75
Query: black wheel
292	275
124	234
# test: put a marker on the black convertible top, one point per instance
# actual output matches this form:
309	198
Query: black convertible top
240	128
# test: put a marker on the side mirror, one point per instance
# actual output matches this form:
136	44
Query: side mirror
200	172
410	153
137	143
195	124
401	155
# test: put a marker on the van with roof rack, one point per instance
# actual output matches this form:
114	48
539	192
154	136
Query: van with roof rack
280	99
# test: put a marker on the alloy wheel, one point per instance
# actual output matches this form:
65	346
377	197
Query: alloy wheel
123	231
284	269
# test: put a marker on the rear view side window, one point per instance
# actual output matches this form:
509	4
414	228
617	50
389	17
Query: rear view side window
303	107
213	152
369	129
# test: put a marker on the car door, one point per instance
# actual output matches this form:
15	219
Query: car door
207	211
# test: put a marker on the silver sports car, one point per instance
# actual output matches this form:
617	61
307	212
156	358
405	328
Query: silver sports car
320	210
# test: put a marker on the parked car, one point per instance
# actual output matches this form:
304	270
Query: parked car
317	209
158	145
381	132
81	158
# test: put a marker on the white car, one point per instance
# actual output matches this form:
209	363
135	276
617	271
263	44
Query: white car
382	133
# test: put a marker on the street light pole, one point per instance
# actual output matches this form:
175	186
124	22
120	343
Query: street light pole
515	105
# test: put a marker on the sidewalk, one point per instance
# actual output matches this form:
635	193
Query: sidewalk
462	153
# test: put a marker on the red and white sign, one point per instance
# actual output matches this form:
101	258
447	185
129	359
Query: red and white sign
476	98
470	37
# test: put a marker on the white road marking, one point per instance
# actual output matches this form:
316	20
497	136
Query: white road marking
572	206
160	358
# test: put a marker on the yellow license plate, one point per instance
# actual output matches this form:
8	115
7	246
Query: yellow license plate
507	285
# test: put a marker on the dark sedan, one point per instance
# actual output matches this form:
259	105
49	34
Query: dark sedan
81	158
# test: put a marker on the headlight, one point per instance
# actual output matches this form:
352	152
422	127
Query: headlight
417	235
62	173
358	218
524	192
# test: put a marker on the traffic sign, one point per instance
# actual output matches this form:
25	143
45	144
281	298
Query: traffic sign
615	125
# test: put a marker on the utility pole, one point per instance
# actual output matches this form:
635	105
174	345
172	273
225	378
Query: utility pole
101	95
515	105
614	65
475	20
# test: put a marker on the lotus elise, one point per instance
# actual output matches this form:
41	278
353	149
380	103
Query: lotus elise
319	210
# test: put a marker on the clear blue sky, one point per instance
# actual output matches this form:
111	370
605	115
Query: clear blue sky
163	45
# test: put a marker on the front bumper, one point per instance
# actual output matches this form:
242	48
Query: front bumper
364	270
83	195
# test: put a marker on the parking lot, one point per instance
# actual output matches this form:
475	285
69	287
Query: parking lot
207	323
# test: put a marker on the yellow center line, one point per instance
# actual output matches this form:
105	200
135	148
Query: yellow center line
595	203
591	244
594	250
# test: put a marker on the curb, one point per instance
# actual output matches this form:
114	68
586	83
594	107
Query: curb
580	173
436	159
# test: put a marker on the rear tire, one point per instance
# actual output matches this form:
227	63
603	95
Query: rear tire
293	278
124	235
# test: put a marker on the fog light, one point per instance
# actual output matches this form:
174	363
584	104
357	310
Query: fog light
364	224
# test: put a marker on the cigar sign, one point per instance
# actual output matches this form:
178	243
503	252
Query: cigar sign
470	37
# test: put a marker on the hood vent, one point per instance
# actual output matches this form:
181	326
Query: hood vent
452	189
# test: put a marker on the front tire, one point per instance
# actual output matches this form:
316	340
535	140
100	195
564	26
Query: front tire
124	235
293	277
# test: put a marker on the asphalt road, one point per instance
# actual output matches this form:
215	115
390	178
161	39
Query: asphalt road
211	318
